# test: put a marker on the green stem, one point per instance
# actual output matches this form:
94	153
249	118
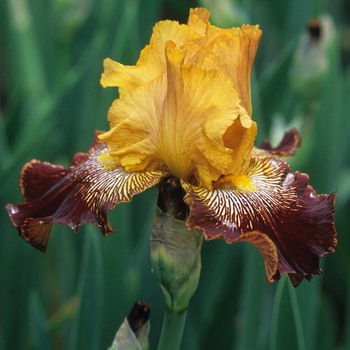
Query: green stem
172	329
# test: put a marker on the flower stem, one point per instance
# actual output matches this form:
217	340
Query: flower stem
172	329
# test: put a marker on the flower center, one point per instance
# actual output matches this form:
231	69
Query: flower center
240	183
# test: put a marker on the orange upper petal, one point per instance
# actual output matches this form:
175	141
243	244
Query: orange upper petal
185	106
177	122
229	50
151	63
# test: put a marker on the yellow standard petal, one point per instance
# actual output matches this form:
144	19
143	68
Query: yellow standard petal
177	123
229	50
151	63
234	54
185	107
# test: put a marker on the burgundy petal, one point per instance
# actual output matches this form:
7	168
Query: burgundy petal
285	208
82	193
290	142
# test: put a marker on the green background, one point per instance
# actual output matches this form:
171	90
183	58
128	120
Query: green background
77	294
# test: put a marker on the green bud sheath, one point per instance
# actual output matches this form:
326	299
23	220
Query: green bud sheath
175	259
133	333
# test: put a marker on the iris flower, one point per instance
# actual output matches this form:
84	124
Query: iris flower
183	122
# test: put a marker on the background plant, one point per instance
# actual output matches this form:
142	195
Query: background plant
76	295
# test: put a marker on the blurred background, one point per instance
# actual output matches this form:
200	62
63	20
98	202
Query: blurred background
77	294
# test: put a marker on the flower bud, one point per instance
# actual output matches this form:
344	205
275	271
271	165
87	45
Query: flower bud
311	60
175	259
133	333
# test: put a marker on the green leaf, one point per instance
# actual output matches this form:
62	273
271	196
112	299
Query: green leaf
37	319
253	302
85	328
287	329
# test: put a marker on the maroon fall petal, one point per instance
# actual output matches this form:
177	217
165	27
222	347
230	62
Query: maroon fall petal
290	142
285	208
82	193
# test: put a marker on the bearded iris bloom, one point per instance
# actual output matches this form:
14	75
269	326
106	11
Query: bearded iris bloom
183	122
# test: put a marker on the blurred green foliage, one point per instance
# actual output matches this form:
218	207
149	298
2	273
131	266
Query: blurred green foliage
77	294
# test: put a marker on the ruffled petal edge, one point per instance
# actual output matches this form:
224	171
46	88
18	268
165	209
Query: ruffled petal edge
82	193
284	208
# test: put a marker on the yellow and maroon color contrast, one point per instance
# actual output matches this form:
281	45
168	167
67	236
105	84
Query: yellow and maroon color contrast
284	218
184	122
82	193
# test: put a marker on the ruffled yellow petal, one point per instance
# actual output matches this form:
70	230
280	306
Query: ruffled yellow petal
229	50
198	20
185	107
198	115
177	122
234	54
151	63
134	136
241	140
